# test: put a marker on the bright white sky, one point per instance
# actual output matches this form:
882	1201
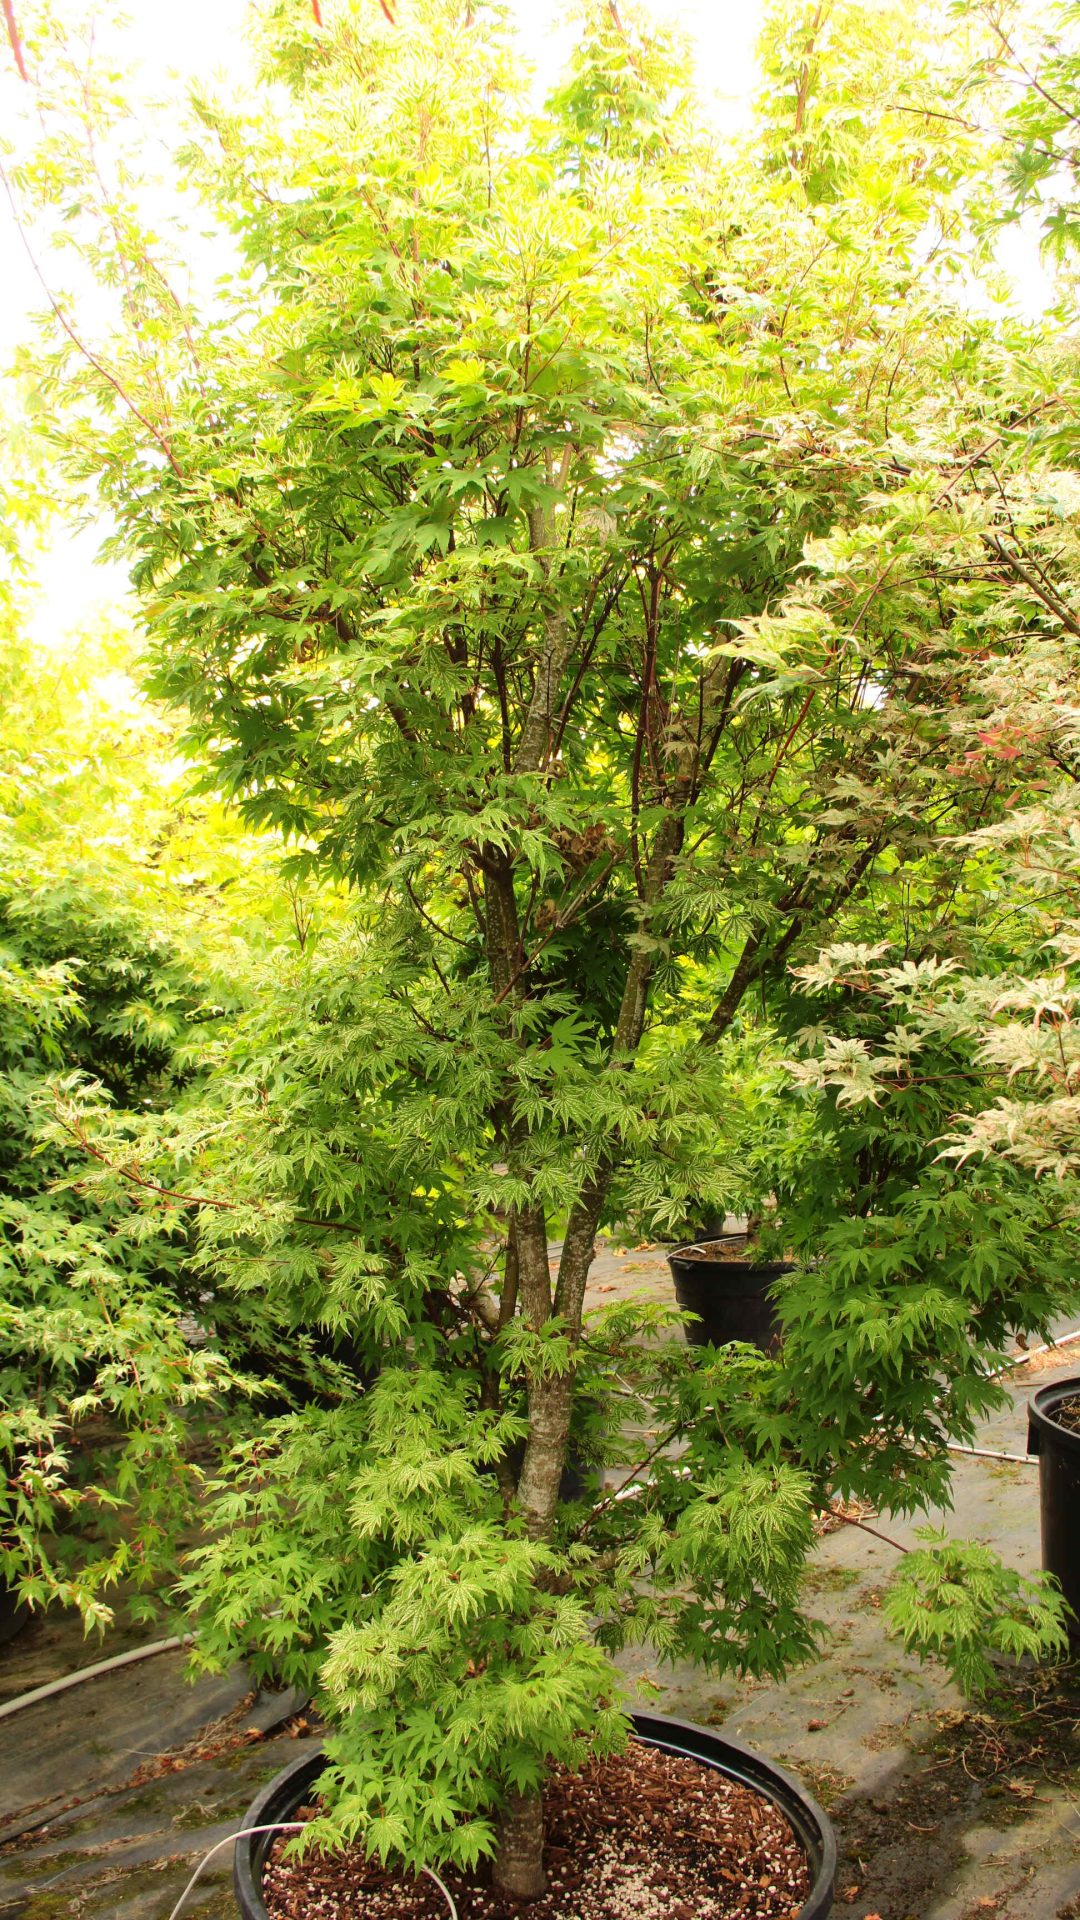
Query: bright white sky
205	38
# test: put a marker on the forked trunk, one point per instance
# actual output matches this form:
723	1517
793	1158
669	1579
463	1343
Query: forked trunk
518	1868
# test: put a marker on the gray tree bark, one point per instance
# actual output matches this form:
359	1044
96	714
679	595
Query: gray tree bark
518	1869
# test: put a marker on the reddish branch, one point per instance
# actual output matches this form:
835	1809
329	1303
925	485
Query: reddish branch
78	344
1032	79
803	94
849	1520
13	35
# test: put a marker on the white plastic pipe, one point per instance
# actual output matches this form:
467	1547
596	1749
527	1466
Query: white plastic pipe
991	1453
286	1826
90	1673
1035	1353
276	1826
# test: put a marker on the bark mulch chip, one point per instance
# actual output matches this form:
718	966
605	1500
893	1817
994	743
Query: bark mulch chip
647	1835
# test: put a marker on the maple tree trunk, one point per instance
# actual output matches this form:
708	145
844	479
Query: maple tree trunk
518	1867
549	1400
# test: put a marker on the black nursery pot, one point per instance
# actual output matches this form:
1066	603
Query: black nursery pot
1059	1489
279	1802
14	1613
731	1298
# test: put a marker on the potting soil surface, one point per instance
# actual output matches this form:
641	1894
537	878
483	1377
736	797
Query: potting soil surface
640	1836
112	1792
1067	1413
713	1250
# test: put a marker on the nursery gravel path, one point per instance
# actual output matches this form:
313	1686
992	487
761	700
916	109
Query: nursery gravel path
111	1792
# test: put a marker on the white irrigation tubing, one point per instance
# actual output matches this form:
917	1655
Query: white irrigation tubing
1035	1353
285	1826
990	1453
275	1826
90	1673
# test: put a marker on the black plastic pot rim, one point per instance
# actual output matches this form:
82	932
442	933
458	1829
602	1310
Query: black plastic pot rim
283	1795
1041	1423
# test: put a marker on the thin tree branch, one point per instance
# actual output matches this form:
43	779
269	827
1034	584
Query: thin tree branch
850	1521
14	37
1042	588
433	924
1032	79
78	344
190	1199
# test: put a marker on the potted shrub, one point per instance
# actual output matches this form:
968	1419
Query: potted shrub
481	541
729	1252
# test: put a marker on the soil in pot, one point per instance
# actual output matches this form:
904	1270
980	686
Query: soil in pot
646	1835
1067	1413
734	1248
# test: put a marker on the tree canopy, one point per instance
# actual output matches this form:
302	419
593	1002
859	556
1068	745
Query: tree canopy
613	559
